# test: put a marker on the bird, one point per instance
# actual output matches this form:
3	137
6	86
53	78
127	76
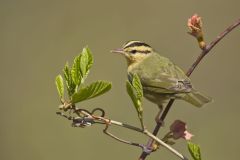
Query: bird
161	79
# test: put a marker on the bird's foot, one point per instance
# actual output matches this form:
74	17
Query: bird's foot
155	146
157	118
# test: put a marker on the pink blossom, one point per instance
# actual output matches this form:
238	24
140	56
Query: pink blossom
179	130
195	24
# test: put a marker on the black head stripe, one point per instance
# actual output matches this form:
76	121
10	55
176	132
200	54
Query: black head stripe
145	51
139	51
135	44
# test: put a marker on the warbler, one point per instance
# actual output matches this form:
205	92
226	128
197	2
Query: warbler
161	79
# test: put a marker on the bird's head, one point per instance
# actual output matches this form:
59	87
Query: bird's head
134	51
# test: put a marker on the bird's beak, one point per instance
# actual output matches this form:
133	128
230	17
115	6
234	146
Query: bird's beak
120	50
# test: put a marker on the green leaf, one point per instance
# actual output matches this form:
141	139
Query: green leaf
86	61
76	71
137	86
136	99
130	91
60	85
194	151
69	82
93	90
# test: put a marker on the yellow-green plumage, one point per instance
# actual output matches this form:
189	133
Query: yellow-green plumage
161	79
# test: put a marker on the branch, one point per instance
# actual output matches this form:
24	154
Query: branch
88	118
149	134
108	122
165	145
211	45
144	131
204	52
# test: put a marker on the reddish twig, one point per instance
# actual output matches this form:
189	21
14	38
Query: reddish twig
204	52
87	118
211	45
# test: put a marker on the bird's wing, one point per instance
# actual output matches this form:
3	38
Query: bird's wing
166	84
160	75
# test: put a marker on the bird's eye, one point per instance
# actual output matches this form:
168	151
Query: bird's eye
133	51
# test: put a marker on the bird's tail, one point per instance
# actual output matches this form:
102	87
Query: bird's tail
196	98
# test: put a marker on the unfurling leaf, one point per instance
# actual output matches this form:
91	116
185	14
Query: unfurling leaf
91	91
135	92
69	81
60	85
137	86
194	151
86	61
76	71
81	66
130	90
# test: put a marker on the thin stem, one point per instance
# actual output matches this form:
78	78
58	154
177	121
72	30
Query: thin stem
146	132
189	72
108	122
211	45
117	138
157	128
126	126
142	124
165	145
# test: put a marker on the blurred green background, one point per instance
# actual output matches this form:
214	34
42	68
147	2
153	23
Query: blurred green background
39	36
